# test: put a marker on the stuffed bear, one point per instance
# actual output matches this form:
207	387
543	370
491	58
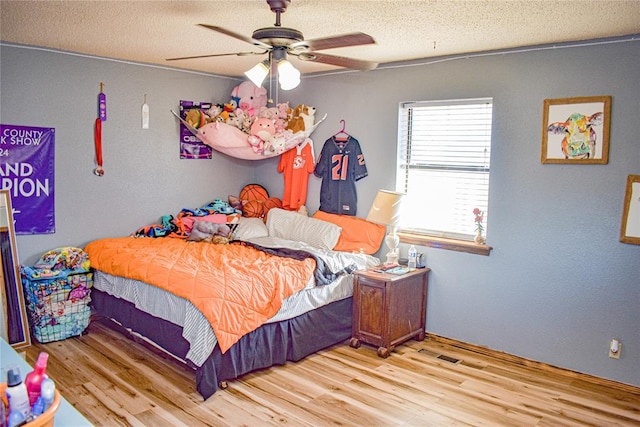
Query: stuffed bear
252	98
282	116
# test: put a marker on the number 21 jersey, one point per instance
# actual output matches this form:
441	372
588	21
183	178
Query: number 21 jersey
340	165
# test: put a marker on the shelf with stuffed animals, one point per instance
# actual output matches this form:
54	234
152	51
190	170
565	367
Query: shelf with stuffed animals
246	128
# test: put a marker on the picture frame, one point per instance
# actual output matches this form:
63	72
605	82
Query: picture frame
576	130
13	302
630	227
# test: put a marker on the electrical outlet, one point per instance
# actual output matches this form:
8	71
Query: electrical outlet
615	348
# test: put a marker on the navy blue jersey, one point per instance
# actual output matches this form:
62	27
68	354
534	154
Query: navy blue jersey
340	165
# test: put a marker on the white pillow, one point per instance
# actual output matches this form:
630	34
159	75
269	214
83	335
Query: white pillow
294	226
248	228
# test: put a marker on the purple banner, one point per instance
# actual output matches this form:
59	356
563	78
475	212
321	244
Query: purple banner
190	146
27	160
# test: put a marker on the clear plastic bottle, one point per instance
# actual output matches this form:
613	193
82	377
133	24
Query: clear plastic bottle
33	380
17	393
413	257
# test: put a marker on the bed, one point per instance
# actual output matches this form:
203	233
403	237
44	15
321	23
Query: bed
293	273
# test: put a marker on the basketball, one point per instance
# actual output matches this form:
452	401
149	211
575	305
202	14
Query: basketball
254	192
253	209
272	202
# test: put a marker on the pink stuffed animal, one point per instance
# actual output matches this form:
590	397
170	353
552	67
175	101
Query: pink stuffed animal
262	130
282	116
252	98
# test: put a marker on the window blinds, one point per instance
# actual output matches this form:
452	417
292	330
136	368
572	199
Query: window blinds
444	150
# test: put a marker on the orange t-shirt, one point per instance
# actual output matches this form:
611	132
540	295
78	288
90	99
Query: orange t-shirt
296	165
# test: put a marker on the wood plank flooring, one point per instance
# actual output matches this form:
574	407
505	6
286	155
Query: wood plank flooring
116	381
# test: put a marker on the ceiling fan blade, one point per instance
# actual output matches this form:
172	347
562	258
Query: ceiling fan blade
344	40
217	54
340	61
237	36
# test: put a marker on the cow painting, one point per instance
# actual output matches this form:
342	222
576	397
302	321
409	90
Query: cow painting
579	140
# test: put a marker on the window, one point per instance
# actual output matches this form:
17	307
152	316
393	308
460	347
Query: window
444	148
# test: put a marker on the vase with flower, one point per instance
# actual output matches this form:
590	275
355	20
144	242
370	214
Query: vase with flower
479	219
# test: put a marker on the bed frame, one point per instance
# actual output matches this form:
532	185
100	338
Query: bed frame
271	344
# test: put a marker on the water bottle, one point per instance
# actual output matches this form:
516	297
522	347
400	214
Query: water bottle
413	257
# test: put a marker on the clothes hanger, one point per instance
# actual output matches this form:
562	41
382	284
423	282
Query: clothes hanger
342	132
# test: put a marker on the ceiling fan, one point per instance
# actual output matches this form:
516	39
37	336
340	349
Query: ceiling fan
279	41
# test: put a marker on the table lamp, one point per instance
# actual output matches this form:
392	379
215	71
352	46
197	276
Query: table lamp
385	210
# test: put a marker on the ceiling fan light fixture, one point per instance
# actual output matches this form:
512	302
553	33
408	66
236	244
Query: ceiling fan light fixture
258	73
288	75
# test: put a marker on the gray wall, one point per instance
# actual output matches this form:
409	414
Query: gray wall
144	175
557	286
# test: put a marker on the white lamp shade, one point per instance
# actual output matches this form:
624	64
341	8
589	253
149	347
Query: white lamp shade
258	73
289	76
386	208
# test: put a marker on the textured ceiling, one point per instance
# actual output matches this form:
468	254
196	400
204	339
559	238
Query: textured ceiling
151	31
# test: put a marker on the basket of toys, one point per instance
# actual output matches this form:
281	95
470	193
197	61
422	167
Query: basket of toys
57	291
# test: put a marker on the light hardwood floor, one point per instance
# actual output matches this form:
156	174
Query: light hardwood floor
116	381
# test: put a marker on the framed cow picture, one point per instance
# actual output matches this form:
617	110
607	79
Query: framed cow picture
576	130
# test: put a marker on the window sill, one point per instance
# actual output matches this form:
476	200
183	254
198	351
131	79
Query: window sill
445	243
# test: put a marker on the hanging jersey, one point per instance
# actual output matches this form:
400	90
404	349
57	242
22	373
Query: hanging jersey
340	165
296	165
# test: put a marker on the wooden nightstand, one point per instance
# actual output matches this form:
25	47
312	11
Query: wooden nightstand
388	309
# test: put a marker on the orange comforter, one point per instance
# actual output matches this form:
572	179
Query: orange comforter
236	287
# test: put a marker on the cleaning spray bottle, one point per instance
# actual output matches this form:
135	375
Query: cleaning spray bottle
33	380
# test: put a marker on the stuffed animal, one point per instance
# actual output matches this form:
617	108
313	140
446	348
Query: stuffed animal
268	113
240	120
282	116
275	144
214	113
252	98
300	117
308	117
196	118
235	121
261	130
205	231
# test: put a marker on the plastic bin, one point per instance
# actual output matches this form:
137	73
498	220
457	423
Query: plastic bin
57	302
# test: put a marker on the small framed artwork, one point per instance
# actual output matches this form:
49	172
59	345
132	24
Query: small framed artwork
576	130
630	228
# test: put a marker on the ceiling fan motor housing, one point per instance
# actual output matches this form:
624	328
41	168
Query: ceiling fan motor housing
278	36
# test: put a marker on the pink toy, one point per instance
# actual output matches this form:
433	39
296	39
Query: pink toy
262	130
282	116
252	98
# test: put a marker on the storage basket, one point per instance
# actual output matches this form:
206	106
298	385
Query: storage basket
57	302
